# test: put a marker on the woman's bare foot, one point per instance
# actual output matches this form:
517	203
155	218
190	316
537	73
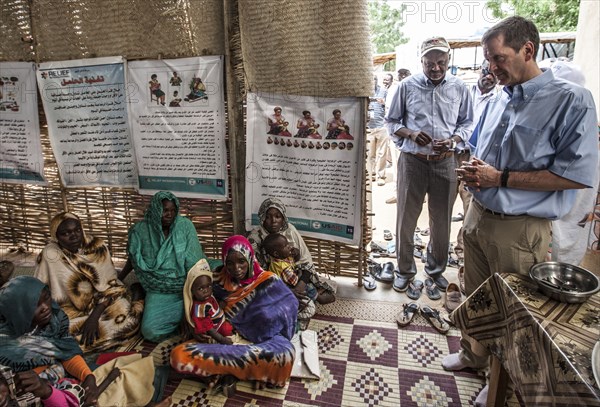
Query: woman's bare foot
259	385
325	297
166	402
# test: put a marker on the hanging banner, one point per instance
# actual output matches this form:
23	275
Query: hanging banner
21	158
85	105
177	117
305	151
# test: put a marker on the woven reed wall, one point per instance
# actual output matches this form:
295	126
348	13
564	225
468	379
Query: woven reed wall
307	47
46	30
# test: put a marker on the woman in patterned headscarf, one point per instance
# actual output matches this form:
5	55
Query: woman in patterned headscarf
162	248
261	308
273	219
82	279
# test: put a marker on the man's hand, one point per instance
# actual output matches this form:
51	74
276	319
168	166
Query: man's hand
420	137
441	146
477	174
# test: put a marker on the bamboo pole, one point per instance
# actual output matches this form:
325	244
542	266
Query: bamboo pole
235	116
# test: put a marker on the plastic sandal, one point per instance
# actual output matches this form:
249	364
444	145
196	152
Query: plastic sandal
433	293
414	289
433	317
387	235
407	314
369	283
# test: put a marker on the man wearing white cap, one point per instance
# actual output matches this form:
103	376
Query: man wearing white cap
429	114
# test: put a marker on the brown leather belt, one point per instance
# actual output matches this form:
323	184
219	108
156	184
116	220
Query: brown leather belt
434	157
500	214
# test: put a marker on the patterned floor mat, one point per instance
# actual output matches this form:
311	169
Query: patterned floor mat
365	361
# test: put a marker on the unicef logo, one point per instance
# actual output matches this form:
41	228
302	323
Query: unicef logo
316	225
192	181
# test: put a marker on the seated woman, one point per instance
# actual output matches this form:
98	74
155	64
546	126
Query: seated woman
162	248
156	90
197	90
337	128
277	123
82	279
307	127
261	308
34	333
271	215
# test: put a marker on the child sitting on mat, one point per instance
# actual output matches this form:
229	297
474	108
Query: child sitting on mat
202	310
282	263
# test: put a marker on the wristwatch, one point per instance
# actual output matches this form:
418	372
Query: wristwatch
453	144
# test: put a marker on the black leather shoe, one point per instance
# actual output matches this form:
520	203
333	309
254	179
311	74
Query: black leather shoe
441	282
386	275
401	283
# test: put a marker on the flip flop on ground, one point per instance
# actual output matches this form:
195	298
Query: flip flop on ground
407	314
433	317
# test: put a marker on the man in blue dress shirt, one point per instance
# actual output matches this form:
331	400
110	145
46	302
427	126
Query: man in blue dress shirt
429	114
535	147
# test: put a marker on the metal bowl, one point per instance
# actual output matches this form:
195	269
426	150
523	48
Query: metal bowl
564	282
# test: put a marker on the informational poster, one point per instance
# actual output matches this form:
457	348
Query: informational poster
305	151
177	117
85	105
21	159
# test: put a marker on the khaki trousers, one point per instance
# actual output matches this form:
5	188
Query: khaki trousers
499	244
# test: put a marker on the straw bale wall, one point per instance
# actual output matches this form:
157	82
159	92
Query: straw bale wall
306	47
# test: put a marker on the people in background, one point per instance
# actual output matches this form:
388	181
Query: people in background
393	148
484	92
378	144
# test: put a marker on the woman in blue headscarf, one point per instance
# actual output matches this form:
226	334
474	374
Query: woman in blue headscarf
162	248
34	333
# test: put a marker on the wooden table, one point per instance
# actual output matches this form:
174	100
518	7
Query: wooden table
542	345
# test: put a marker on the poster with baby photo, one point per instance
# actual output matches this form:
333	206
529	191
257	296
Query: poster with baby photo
306	151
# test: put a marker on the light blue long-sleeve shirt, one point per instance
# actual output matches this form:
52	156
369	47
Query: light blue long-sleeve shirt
441	111
542	124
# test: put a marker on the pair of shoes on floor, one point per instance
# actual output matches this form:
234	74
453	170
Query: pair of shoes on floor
381	182
453	297
391	200
433	286
386	274
387	234
432	316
